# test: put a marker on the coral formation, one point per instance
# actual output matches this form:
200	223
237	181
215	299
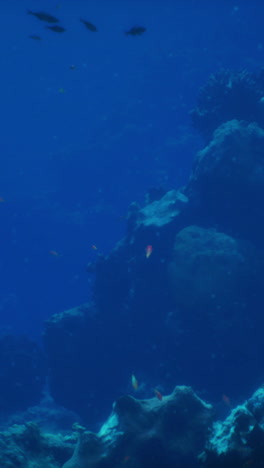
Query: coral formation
229	95
25	446
147	433
238	440
149	312
210	271
179	430
227	182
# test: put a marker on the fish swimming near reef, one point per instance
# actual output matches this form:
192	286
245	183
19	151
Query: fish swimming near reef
134	382
42	16
136	31
58	29
148	250
158	394
35	37
54	253
89	25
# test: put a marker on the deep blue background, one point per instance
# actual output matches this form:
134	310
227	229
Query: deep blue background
78	146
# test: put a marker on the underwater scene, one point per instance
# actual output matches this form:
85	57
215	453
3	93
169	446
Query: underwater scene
132	234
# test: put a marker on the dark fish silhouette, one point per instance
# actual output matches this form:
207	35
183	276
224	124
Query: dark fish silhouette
58	29
136	31
89	25
42	16
35	37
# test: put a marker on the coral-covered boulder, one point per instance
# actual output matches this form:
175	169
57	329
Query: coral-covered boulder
238	441
210	270
25	445
227	183
147	433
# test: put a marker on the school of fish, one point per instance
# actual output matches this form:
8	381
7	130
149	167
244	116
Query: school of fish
47	18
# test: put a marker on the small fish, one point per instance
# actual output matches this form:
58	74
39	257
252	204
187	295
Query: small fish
72	67
61	90
58	29
134	382
158	394
35	37
148	250
42	16
226	400
94	247
89	25
136	31
2	200
54	253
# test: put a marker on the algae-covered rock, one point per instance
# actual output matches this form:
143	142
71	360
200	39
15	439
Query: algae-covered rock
227	182
25	446
238	441
209	269
147	433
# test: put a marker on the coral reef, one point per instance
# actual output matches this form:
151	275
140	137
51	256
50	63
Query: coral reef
147	433
239	440
204	269
46	415
179	429
211	271
189	310
229	95
25	446
227	182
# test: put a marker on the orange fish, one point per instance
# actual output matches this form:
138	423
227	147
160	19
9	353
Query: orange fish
2	200
148	251
158	394
134	382
54	253
94	247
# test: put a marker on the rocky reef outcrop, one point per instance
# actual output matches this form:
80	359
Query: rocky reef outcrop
26	446
147	433
239	440
179	429
195	301
211	271
23	373
227	182
226	96
179	299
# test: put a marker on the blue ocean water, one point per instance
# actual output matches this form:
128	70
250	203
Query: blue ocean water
90	122
79	145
